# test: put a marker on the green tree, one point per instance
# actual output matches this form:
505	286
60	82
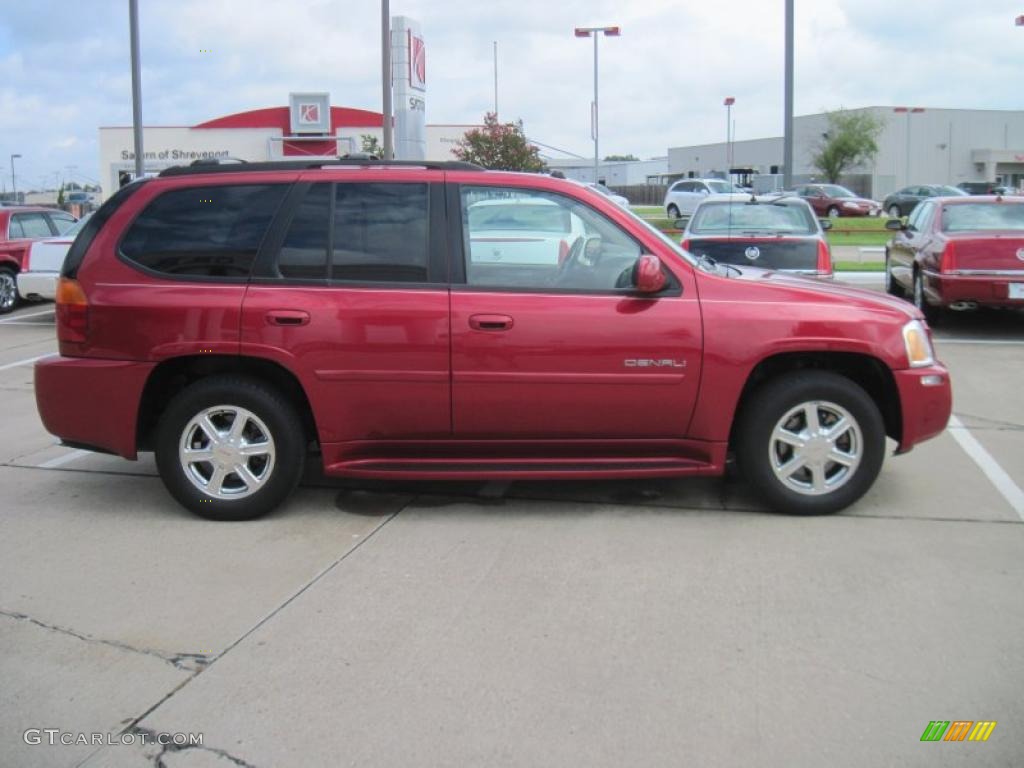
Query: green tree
60	196
499	146
620	158
852	139
370	144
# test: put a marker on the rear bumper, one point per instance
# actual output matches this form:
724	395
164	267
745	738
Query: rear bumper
92	402
38	285
986	288
926	399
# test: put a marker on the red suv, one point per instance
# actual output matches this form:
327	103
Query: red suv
438	321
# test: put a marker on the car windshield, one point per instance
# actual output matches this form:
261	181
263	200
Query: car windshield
725	218
720	187
834	190
983	217
519	216
602	189
954	191
75	228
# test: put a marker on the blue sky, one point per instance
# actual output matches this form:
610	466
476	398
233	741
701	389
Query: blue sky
65	65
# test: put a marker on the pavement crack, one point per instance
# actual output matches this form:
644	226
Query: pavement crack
187	662
169	747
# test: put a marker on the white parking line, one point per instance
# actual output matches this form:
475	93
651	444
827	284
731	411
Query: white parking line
27	361
995	473
67	458
16	318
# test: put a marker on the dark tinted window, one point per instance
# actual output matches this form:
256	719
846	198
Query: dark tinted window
211	231
380	232
304	251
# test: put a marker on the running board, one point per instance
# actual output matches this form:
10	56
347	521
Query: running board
516	469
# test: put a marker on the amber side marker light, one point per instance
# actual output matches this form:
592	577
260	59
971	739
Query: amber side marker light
72	311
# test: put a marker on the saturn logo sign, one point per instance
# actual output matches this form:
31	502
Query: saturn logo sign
417	63
309	114
1020	254
753	253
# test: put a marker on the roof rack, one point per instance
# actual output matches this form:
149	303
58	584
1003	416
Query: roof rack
213	165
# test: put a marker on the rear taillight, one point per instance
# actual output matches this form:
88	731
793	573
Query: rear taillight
947	262
824	258
563	251
72	311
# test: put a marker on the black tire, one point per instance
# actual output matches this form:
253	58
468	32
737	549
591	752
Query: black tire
287	440
892	287
8	290
932	314
673	211
833	212
776	398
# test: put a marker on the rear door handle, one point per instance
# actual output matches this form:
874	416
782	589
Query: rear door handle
490	322
288	317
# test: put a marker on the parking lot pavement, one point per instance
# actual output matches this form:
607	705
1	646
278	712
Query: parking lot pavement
612	623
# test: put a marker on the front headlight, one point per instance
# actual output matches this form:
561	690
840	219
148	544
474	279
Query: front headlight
919	346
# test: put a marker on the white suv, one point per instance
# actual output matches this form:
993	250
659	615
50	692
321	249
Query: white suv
683	196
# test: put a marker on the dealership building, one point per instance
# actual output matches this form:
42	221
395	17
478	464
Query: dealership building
916	146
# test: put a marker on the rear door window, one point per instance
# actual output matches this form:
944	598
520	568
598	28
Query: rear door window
210	231
30	225
304	250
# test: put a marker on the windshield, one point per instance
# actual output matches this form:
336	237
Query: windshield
721	187
75	228
519	216
603	189
947	191
834	190
726	218
983	217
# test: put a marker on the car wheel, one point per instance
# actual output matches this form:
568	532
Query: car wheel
8	290
895	212
230	448
673	211
932	314
810	442
833	212
892	287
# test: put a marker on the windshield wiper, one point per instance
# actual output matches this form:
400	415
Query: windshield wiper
709	264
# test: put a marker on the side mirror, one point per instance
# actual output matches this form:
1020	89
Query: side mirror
826	223
647	274
681	222
896	225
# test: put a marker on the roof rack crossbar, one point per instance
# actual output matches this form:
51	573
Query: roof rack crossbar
300	165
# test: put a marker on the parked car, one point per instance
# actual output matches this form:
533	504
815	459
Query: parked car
20	226
958	254
38	278
833	201
683	196
903	202
521	231
617	199
978	187
781	234
241	319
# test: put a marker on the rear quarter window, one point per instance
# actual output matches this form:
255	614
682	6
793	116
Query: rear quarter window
209	231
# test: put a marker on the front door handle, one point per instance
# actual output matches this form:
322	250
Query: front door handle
287	317
490	322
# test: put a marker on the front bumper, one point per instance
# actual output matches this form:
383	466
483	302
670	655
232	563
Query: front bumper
38	285
926	399
92	402
990	288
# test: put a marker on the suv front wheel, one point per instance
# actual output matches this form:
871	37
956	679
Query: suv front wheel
230	448
810	442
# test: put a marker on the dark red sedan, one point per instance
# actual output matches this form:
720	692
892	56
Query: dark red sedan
834	201
958	253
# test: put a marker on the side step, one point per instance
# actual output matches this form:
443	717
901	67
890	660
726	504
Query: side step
514	469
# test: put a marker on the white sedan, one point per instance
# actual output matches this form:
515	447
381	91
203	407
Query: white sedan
38	280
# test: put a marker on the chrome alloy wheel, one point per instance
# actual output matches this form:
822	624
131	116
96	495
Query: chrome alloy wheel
227	452
8	290
815	448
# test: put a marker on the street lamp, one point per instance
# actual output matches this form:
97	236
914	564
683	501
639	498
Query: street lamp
588	32
729	101
14	184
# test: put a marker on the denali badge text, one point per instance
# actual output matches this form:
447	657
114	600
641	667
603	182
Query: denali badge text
648	363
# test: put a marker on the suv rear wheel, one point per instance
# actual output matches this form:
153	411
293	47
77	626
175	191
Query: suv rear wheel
230	448
810	442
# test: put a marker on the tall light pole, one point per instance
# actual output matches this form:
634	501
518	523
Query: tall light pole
595	32
133	23
787	119
385	76
495	79
729	101
14	184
